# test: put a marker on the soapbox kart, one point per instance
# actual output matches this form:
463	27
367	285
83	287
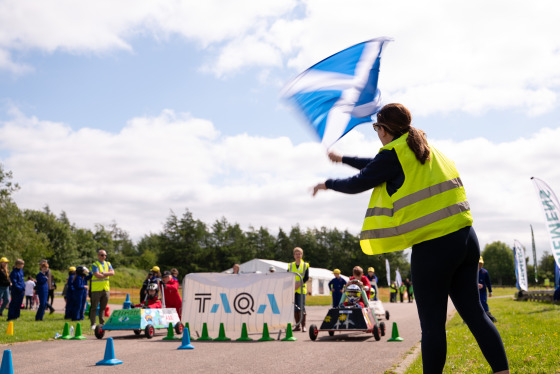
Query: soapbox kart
349	319
378	309
139	319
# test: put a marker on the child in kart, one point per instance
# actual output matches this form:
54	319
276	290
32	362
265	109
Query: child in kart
354	295
152	301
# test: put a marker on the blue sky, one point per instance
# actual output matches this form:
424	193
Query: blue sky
123	111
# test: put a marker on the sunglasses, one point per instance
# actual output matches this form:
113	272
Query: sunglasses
102	255
376	127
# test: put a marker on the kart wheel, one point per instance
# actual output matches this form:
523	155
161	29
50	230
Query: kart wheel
331	333
137	332
149	331
376	333
179	328
382	328
313	332
387	315
99	332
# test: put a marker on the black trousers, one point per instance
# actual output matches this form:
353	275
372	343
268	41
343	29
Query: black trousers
449	266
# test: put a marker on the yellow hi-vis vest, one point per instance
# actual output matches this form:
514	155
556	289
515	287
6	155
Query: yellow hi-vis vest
101	284
301	270
430	204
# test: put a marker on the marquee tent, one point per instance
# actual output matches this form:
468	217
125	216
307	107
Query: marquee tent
319	278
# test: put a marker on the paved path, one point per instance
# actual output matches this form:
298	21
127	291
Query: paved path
341	353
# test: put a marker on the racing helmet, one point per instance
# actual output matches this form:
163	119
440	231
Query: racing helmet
152	287
353	293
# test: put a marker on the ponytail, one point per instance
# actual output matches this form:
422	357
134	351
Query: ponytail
396	119
418	143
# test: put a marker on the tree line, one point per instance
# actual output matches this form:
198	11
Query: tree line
191	245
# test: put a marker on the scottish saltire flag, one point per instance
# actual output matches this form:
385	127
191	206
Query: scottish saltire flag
340	92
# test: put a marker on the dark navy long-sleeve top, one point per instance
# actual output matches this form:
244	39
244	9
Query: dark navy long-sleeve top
484	279
337	284
16	276
42	283
384	167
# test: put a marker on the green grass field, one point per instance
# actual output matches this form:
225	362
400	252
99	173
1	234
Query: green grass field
530	332
26	328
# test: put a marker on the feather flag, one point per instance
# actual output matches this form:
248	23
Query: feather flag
520	266
388	272
340	92
551	210
398	278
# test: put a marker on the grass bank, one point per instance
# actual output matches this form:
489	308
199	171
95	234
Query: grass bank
27	329
530	332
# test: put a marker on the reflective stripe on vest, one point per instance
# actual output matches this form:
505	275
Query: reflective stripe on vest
431	203
293	268
100	284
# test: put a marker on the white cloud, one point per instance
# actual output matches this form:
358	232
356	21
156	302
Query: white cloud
174	162
472	56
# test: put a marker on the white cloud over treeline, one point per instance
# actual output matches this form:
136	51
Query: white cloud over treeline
177	162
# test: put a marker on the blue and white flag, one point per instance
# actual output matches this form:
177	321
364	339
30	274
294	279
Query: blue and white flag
340	92
520	266
551	209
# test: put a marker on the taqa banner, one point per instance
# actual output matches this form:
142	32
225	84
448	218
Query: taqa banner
234	299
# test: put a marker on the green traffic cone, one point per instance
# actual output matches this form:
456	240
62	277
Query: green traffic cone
395	335
78	334
265	336
289	334
170	334
244	336
66	332
187	328
222	337
204	336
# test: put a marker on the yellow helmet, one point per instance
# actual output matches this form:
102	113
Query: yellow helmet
155	268
336	271
481	261
72	268
371	269
4	259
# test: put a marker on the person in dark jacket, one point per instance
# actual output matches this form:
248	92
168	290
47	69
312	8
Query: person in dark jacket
336	285
79	292
4	284
154	276
67	292
17	289
50	282
483	284
42	290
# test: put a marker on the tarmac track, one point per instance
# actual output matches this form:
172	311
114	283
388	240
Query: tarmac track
356	352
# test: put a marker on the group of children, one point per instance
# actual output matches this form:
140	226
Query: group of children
76	292
362	286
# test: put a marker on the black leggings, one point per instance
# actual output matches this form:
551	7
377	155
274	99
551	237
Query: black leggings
449	266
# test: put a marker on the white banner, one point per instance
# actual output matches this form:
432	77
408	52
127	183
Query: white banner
520	266
551	209
388	270
398	279
234	299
